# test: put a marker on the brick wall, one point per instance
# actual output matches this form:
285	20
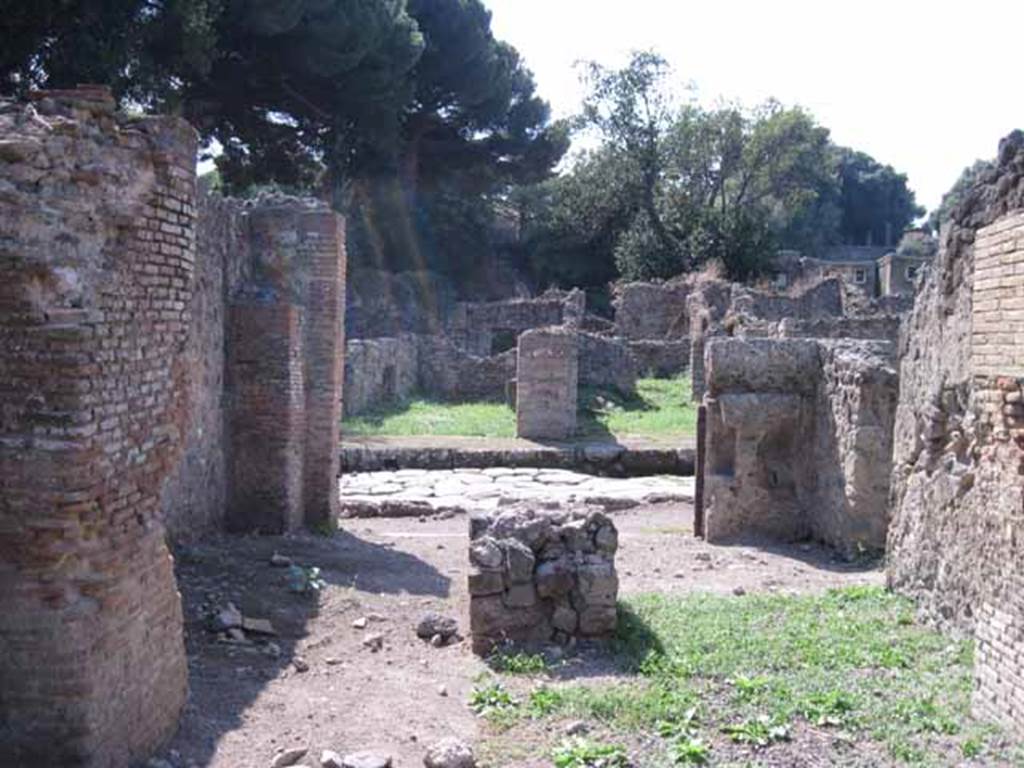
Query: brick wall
158	363
96	268
999	659
547	372
998	321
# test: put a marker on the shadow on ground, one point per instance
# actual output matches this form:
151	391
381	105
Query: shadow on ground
226	678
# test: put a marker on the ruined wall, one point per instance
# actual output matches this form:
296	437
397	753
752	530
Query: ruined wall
387	304
547	374
540	576
285	366
660	358
449	373
652	310
475	326
798	440
160	363
606	363
957	539
97	232
194	496
379	372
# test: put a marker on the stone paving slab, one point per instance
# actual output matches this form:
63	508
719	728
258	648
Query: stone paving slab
411	493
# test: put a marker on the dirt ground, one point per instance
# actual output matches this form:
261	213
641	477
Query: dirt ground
249	701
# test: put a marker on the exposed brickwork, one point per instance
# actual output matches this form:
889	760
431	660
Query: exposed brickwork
547	375
125	406
998	317
956	542
999	659
96	266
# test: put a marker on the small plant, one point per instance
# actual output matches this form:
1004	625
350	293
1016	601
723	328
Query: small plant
748	688
760	732
543	701
581	753
690	750
305	581
679	727
488	699
518	663
828	708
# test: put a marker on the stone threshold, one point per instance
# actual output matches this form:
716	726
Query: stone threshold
625	459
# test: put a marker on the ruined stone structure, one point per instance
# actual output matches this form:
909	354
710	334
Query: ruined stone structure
380	372
388	304
718	309
541	575
547	374
652	310
798	441
957	539
119	415
488	328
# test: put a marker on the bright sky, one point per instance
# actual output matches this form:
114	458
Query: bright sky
926	86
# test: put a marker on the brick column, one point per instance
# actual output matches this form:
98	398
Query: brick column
96	266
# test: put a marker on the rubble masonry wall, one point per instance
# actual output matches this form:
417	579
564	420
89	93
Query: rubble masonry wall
956	544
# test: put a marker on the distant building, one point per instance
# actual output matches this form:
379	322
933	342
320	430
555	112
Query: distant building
873	270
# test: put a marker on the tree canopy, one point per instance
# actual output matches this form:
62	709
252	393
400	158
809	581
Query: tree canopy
672	186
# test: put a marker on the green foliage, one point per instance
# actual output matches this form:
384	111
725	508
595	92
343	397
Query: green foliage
582	753
659	408
489	699
671	187
875	200
304	580
543	701
761	667
761	731
519	663
958	192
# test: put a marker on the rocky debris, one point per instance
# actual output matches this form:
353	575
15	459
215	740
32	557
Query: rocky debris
258	626
288	757
300	664
433	625
329	759
366	760
577	728
280	561
449	753
541	575
359	623
228	617
374	642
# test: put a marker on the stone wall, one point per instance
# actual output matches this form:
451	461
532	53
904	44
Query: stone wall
798	441
652	310
388	304
660	358
380	372
97	261
164	358
606	362
547	375
447	372
477	327
540	576
956	544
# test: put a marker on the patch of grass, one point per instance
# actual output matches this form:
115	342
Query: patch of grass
659	408
491	698
428	417
701	669
581	753
518	663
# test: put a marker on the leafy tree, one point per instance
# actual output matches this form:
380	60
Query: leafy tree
876	203
956	194
405	106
